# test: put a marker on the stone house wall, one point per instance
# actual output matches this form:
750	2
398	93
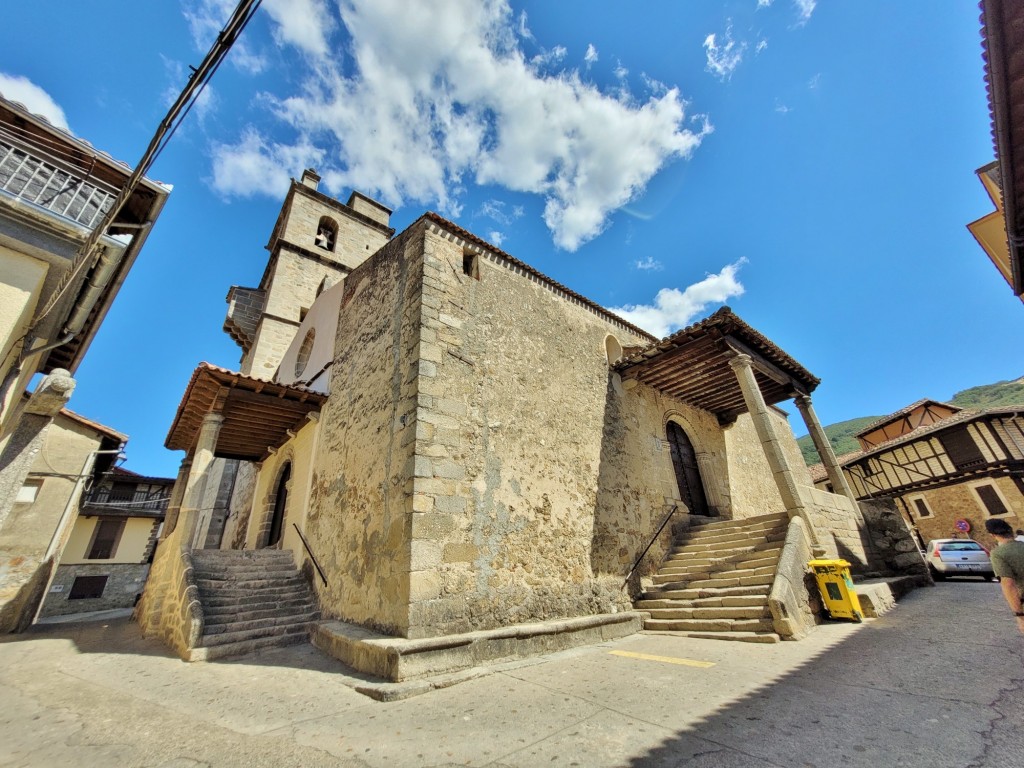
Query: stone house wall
125	583
539	475
356	240
751	486
30	527
961	502
360	498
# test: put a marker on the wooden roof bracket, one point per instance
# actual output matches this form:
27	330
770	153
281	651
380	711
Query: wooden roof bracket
773	372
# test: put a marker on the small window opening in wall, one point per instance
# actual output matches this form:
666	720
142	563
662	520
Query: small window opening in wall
991	499
305	350
471	264
612	349
922	508
87	587
326	233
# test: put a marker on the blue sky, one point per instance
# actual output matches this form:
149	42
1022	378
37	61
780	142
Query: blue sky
811	165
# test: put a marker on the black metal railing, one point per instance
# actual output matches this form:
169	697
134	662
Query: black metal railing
309	552
650	544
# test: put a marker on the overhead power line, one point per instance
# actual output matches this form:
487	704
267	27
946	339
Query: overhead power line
198	80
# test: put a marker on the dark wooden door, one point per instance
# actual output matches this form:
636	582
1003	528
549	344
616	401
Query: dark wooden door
280	504
684	460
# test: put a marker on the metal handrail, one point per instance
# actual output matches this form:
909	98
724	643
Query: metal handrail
311	555
675	508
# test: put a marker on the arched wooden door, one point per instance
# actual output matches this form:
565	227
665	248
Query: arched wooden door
280	505
684	461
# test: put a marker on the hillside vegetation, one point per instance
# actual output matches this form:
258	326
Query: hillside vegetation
841	435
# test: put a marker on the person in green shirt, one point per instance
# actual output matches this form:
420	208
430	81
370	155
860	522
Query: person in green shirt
1008	565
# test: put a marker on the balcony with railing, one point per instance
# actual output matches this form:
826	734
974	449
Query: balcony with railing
124	500
33	175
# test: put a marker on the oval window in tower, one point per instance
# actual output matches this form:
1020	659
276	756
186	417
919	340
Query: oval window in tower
305	350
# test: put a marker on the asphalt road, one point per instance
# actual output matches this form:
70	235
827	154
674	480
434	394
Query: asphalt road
936	682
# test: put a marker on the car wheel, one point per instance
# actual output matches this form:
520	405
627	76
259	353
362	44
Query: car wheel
989	576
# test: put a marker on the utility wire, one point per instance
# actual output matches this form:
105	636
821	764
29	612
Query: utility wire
198	80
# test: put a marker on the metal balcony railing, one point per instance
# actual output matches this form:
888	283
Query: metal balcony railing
30	177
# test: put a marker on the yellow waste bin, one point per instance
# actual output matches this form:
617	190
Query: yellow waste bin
836	588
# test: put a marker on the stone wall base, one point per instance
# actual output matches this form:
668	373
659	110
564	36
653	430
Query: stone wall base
125	582
397	659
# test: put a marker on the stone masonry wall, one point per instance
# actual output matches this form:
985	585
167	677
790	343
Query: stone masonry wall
751	485
636	481
961	502
360	505
170	609
356	241
124	585
539	475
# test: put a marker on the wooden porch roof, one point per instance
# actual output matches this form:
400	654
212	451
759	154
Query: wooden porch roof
257	414
692	365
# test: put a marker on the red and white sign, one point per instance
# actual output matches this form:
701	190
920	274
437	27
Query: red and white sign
963	526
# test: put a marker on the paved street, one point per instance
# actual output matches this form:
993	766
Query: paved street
935	683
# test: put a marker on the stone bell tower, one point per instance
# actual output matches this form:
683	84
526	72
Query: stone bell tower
316	241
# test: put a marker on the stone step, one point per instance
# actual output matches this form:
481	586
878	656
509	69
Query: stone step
737	575
732	553
718	566
743	637
697	524
288	619
709	625
257	606
223	638
723	581
220	560
725	601
683	611
233	571
224	588
720	592
730	540
240	647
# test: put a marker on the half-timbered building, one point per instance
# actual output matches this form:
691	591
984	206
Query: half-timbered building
948	475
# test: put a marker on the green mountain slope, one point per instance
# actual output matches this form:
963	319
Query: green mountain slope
841	435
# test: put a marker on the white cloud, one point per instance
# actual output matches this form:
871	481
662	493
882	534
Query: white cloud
306	24
781	108
673	309
410	117
650	263
36	100
591	55
764	3
814	82
495	238
761	45
496	210
723	56
255	166
549	58
804	9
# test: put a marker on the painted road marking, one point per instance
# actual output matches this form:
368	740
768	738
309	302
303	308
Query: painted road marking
665	659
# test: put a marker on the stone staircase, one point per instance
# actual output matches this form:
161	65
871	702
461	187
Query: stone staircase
251	599
716	580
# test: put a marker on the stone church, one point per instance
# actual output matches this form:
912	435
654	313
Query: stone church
437	455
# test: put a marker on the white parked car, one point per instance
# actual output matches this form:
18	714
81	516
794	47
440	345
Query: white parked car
958	557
